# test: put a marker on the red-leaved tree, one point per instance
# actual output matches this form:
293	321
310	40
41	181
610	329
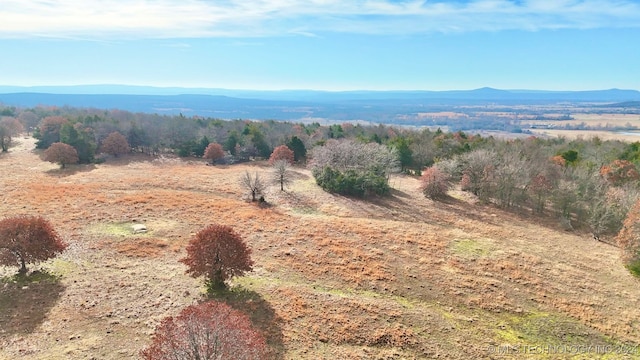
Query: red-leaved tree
282	152
218	253
213	152
434	183
115	144
62	154
28	239
210	330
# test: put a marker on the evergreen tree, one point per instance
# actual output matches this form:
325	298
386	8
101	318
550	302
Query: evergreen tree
232	140
81	139
297	146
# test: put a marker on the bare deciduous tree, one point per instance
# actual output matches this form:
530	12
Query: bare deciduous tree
474	166
9	127
351	155
253	184
281	174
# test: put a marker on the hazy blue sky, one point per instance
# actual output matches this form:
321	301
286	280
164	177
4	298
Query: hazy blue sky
323	44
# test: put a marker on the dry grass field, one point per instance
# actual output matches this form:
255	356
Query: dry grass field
588	134
335	278
592	120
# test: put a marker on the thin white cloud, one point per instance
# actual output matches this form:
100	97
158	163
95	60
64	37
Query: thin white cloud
121	19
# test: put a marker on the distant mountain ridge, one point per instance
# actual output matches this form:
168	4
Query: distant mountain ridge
488	93
292	104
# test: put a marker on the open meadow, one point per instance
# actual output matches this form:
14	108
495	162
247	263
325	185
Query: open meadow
599	122
401	277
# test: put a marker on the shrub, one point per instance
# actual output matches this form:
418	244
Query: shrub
213	152
356	169
434	183
351	183
210	330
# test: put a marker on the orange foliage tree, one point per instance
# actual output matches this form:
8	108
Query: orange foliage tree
210	330
62	154
213	152
282	152
218	253
28	239
559	160
115	144
620	172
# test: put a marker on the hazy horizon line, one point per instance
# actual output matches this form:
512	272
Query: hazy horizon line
334	90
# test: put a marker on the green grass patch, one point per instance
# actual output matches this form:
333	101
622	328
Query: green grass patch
61	267
157	228
122	229
35	277
544	329
305	210
472	248
634	267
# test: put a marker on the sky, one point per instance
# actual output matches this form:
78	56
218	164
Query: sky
323	44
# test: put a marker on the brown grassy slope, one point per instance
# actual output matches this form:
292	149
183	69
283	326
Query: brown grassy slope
401	277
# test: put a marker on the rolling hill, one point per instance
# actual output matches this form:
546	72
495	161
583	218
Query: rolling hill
400	277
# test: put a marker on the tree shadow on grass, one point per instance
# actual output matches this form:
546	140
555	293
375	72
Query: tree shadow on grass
25	301
464	210
70	170
262	315
399	194
297	175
